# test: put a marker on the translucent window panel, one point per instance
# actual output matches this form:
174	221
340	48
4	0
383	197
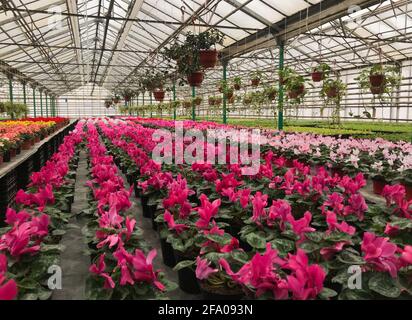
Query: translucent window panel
265	11
291	6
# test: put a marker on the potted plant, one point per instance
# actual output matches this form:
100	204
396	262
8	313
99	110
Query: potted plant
197	101
203	44
187	103
332	93
295	87
116	98
237	83
380	80
320	72
211	100
270	92
285	74
255	77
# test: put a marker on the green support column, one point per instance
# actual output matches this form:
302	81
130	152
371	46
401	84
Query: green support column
52	107
143	103
34	102
280	103
174	100
137	108
193	103
41	103
224	93
11	89
24	95
47	104
151	102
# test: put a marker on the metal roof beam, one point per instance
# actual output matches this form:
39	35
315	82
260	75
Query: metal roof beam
290	27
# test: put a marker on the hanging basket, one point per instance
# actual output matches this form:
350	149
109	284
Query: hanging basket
208	58
378	90
317	76
236	87
255	82
295	93
332	92
197	101
159	95
211	101
195	79
377	80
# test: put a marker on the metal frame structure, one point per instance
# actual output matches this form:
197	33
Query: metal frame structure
61	46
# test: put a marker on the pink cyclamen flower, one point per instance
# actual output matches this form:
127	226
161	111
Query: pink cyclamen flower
99	269
143	268
259	202
332	221
393	194
203	269
206	211
244	197
406	256
391	231
12	217
379	252
301	226
305	281
8	289
179	227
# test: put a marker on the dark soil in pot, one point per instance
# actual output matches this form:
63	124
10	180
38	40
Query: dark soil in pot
186	277
220	293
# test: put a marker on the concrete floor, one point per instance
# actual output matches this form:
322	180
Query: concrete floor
75	265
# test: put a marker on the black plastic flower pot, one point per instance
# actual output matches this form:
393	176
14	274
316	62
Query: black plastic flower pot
220	293
186	277
6	156
167	253
148	210
137	191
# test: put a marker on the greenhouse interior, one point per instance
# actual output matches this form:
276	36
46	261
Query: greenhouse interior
236	150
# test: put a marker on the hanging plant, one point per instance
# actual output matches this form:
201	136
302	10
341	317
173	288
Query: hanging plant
211	100
108	103
255	78
197	101
203	44
127	94
237	83
286	74
380	80
271	92
116	98
187	103
320	72
159	94
332	93
295	87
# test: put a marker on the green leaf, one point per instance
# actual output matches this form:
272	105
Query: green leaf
315	236
350	258
183	264
256	241
385	285
58	232
327	293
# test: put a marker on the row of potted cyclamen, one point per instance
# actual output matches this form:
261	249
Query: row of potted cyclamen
122	268
286	231
29	243
383	161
